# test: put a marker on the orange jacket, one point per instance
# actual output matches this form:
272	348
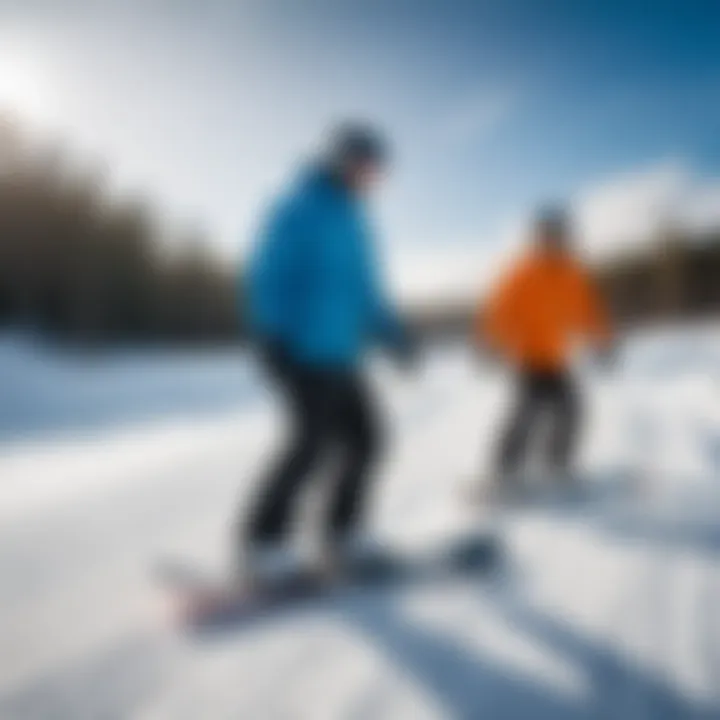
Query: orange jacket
538	310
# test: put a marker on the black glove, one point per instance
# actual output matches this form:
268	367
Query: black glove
405	351
486	355
605	357
270	353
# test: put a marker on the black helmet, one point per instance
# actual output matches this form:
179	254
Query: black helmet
553	220
356	142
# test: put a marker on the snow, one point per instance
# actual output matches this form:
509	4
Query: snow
46	390
609	611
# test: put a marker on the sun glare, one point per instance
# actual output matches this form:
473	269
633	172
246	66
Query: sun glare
24	91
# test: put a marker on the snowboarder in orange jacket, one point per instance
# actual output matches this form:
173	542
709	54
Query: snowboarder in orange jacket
536	315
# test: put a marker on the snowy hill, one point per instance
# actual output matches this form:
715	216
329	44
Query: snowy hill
46	390
606	613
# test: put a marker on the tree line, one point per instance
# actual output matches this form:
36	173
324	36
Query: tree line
83	265
674	279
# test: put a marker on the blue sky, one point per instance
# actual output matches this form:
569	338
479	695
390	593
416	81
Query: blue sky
492	107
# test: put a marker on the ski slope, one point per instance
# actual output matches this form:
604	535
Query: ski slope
611	612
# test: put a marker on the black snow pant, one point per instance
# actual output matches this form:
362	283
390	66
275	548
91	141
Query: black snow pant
542	396
331	412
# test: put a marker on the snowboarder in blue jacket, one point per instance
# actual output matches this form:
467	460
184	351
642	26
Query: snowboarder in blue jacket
315	306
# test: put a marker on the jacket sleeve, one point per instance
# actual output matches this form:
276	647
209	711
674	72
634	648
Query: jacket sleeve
270	279
386	325
496	322
594	320
388	328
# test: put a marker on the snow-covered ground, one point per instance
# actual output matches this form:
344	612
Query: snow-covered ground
606	612
45	390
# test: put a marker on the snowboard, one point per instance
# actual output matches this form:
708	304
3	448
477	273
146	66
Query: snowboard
199	600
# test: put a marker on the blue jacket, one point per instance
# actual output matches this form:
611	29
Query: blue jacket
312	282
